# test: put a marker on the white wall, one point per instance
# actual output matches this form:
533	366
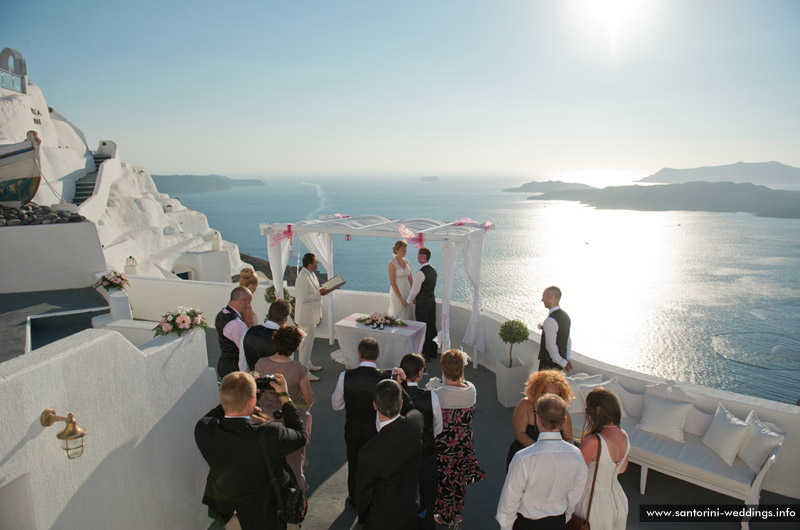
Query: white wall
47	257
95	206
140	467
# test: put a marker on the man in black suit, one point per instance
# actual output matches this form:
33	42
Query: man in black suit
355	392
230	438
257	342
388	465
425	302
427	403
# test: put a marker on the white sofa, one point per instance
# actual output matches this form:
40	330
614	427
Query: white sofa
690	460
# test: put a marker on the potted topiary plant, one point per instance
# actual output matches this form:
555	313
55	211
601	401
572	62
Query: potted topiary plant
513	332
511	377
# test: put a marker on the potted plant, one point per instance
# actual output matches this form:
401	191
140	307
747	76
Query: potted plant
511	377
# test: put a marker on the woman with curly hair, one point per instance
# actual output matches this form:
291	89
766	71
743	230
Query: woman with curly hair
524	418
457	462
286	341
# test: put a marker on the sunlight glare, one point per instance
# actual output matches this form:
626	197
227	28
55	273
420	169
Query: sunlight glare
613	16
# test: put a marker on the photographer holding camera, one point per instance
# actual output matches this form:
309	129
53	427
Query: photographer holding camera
230	438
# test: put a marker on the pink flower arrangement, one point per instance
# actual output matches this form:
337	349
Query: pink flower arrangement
380	320
179	320
113	281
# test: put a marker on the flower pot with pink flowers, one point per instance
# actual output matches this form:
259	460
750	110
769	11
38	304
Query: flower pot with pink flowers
180	320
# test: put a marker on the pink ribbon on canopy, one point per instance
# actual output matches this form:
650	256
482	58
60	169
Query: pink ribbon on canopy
487	225
341	216
408	235
286	234
463	221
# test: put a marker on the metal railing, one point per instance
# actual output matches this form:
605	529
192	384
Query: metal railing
11	81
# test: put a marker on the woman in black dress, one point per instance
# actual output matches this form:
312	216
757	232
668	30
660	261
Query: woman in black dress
524	419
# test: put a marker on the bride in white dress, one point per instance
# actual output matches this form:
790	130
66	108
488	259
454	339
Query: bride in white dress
609	509
400	278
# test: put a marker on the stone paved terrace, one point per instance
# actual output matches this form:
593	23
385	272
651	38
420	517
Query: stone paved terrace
327	466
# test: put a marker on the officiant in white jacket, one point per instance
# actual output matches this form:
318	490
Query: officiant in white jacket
308	309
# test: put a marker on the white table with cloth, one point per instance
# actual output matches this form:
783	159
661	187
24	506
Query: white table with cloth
394	342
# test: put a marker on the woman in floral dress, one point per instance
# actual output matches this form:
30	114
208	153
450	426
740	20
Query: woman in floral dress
458	465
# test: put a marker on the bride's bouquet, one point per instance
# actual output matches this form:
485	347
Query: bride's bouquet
380	321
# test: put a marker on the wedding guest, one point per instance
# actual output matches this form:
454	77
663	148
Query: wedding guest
609	503
458	464
545	480
257	342
230	330
426	402
526	431
230	437
286	341
248	278
400	281
354	392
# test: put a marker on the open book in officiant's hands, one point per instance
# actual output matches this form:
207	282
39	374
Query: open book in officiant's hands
334	283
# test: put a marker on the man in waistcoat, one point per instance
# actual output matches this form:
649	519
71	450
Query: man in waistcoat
257	342
426	402
230	331
354	392
308	312
425	302
555	346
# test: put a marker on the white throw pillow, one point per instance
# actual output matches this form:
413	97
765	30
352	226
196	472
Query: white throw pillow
758	443
578	403
664	417
725	434
611	385
632	402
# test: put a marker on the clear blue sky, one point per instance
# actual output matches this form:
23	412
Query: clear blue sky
484	87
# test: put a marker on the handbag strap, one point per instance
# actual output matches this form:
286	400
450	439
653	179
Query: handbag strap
272	479
596	465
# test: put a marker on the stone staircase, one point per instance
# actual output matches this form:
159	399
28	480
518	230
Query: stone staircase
84	187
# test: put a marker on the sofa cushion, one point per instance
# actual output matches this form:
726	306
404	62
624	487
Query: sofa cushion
578	403
725	434
758	443
611	385
697	422
664	417
632	402
689	459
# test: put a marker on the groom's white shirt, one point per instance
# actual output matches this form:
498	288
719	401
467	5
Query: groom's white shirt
419	277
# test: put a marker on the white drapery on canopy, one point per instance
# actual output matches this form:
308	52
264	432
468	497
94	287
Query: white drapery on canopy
463	237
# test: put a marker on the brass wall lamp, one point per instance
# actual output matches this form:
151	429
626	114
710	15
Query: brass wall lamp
72	437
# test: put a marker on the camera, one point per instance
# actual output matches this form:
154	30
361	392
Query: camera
263	381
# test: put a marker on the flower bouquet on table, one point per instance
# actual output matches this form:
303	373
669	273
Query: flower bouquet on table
179	320
380	321
112	281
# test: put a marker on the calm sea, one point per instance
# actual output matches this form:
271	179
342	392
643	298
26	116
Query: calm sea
709	298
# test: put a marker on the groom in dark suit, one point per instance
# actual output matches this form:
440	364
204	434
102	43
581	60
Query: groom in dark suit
388	465
425	302
230	438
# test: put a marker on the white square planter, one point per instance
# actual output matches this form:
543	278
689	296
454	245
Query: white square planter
510	382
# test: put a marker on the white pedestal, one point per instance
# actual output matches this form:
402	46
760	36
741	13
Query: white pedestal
510	382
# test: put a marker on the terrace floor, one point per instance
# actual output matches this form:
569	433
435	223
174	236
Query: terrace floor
327	464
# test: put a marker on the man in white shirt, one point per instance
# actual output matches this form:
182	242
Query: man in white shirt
308	309
545	481
555	346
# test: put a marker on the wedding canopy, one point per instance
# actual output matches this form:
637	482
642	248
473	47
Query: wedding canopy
462	237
